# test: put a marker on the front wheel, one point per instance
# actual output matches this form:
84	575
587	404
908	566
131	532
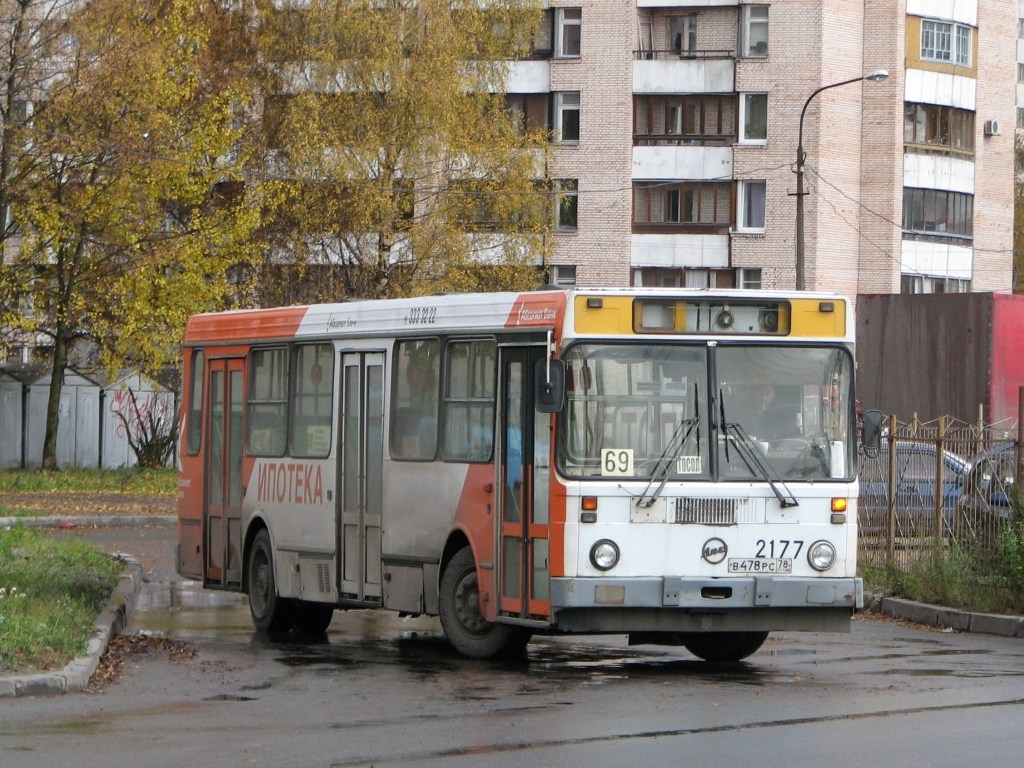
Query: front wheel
722	646
270	613
467	631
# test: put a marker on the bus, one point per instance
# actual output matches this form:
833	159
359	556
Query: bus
675	465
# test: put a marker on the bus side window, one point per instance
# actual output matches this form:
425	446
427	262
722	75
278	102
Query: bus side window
311	401
267	418
414	426
195	403
469	400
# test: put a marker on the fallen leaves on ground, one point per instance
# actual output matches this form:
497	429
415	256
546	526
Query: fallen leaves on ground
122	648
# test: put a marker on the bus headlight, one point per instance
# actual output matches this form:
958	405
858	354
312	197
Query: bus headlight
604	555
821	556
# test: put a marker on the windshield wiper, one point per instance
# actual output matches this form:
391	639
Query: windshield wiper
752	457
670	456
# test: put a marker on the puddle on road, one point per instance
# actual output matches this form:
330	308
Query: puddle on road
185	611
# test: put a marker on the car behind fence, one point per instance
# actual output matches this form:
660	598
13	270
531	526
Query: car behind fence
944	482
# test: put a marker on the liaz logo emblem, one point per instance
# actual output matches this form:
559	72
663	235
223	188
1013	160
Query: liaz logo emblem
714	551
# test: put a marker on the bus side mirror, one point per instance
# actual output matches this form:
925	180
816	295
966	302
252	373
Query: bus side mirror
872	433
549	386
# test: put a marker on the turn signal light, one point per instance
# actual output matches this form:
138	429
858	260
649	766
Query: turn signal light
838	505
589	503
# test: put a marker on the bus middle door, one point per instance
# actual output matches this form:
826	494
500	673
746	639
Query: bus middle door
523	573
360	469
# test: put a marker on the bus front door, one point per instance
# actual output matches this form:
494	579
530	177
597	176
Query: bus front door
223	508
523	575
360	468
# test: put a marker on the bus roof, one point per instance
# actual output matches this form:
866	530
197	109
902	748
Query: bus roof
452	313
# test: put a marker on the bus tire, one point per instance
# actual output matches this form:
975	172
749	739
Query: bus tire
723	646
270	613
312	619
467	631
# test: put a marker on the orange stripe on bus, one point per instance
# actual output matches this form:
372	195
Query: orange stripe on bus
254	324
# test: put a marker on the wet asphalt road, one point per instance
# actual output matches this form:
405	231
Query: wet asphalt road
386	691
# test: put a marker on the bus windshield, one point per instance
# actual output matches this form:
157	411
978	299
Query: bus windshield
729	412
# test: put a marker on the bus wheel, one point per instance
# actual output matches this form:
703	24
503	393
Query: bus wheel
270	613
722	646
467	631
312	619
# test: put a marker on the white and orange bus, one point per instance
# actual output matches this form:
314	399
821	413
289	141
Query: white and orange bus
676	465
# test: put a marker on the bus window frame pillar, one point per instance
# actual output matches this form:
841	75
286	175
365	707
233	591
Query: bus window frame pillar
801	157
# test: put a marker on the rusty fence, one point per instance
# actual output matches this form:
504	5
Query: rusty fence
943	483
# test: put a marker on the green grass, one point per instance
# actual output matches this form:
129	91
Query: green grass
986	577
128	481
50	593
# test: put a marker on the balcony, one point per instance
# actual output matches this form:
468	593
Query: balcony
660	71
682	162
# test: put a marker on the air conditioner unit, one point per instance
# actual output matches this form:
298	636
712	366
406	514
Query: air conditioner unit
992	128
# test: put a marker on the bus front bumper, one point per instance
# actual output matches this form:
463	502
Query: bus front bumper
702	604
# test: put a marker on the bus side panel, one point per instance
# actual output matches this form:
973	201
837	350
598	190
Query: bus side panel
190	518
420	503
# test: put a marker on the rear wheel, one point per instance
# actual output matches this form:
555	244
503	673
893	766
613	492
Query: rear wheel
468	632
270	612
723	646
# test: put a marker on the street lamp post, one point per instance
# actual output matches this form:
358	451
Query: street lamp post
878	74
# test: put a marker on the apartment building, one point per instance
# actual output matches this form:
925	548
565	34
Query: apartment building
676	123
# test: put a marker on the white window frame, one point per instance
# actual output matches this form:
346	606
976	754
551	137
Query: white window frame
752	16
563	274
566	188
565	102
685	27
743	198
749	279
564	19
947	42
742	128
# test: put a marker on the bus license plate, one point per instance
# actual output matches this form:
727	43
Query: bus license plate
760	565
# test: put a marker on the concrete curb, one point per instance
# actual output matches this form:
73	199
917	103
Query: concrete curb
84	521
75	676
949	618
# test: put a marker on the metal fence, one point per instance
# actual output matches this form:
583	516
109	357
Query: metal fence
942	483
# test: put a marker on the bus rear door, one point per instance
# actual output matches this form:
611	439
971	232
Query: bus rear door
223	503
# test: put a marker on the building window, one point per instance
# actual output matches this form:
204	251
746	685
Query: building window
750	206
693	119
563	275
566	194
754	118
1020	117
528	111
568	29
682	34
1020	28
1020	73
926	284
937	214
947	42
754	31
650	277
696	203
750	279
933	127
567	117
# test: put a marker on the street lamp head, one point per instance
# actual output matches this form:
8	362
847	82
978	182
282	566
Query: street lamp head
878	74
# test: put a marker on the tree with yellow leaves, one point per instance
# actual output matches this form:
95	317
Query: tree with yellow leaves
136	214
386	121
